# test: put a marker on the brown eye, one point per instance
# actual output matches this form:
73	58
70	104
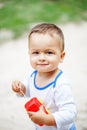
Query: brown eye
49	52
36	53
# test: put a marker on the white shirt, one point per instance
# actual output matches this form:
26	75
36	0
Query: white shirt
57	98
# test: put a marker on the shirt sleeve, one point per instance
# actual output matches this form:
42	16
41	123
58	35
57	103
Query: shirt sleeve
64	101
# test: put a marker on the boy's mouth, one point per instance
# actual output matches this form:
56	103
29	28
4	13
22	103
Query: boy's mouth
42	64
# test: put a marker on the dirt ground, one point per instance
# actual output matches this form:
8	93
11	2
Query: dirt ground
14	64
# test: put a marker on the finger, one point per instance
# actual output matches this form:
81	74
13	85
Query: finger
30	114
42	107
15	86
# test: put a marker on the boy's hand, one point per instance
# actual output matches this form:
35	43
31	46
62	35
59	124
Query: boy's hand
18	87
41	118
37	117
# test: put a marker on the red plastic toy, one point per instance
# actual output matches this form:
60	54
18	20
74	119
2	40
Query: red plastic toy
34	105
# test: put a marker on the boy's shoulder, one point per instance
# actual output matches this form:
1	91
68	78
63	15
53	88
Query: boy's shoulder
64	78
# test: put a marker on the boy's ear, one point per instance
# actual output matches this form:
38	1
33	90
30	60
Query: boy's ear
62	56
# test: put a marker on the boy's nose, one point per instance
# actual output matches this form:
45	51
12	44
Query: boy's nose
42	56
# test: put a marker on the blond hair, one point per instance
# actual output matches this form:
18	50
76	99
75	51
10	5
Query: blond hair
51	29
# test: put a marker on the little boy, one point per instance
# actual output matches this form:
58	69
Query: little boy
48	82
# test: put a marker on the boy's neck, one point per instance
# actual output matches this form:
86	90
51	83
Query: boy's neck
48	74
43	79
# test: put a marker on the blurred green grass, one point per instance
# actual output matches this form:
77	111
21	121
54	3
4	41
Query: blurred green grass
18	15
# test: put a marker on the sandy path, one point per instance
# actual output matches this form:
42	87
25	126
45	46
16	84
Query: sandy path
14	64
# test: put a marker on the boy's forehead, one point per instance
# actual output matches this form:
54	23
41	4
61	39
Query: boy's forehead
46	38
43	41
36	37
45	35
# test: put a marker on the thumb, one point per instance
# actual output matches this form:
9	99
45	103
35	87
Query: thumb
42	107
30	113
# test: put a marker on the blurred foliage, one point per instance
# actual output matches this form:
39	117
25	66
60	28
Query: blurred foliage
19	15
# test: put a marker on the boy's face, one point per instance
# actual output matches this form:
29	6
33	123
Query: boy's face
45	54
